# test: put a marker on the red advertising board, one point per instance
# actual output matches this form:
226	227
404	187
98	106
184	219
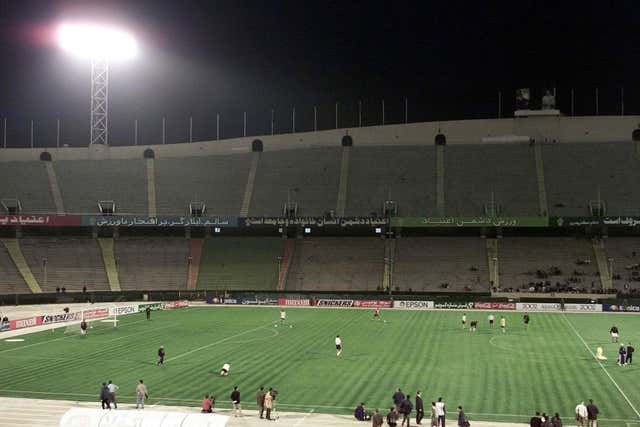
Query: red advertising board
294	302
25	323
175	304
41	220
495	305
95	313
373	304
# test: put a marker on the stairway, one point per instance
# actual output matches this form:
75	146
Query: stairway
603	264
440	180
151	187
389	262
248	190
195	254
54	188
285	263
344	181
494	263
543	207
110	266
13	247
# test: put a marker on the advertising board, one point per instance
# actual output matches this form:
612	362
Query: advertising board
125	309
25	323
583	307
453	305
294	302
64	317
626	308
335	303
176	304
414	305
494	305
372	304
95	313
538	306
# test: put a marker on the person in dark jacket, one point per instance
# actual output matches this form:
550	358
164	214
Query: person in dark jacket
556	421
536	421
462	419
392	417
235	401
376	419
630	351
260	401
104	396
592	414
405	409
359	412
419	408
398	398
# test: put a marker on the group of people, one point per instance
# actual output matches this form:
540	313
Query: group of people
544	420
473	324
108	395
402	409
586	416
264	401
625	352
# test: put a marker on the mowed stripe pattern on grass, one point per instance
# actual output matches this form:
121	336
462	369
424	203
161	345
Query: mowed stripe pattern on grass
545	368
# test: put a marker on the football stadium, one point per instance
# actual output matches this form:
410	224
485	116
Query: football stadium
472	270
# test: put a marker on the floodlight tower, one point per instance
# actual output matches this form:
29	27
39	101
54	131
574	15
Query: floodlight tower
100	45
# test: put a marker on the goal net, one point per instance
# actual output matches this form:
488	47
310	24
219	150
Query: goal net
101	318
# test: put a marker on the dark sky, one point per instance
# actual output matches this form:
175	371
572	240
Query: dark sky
198	58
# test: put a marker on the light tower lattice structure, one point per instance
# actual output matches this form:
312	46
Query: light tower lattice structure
99	102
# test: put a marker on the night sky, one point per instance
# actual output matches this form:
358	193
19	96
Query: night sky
199	58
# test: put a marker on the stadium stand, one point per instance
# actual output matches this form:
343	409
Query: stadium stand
329	263
11	282
473	173
249	263
575	172
404	174
307	177
555	263
152	263
218	181
624	253
65	262
85	182
446	264
28	182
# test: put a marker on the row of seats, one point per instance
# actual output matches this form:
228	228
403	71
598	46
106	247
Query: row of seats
458	264
474	176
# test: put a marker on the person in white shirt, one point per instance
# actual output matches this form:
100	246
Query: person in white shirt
141	394
283	316
581	414
112	393
338	346
225	370
491	320
441	411
464	320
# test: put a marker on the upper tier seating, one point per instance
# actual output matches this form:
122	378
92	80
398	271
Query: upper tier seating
152	263
625	254
70	263
575	172
476	175
404	174
525	262
85	182
334	263
444	264
28	182
308	177
11	282
218	181
246	263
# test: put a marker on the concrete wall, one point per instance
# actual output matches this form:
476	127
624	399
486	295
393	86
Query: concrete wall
561	129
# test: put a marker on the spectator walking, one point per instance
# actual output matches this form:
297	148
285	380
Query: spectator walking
535	421
112	393
405	409
104	396
141	394
392	417
419	408
581	415
376	419
268	403
556	421
434	415
161	355
260	401
592	414
235	401
622	355
630	351
441	412
207	405
462	419
398	398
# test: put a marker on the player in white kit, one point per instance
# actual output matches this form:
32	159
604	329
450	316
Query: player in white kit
338	346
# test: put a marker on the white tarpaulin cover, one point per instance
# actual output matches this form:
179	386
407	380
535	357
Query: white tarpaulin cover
84	417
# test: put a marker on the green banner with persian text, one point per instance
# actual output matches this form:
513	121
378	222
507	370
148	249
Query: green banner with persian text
468	221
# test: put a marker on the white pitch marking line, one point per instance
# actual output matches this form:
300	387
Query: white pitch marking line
601	365
303	419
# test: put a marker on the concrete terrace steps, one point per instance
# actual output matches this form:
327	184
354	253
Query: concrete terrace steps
344	181
110	266
55	188
151	187
13	247
195	255
248	189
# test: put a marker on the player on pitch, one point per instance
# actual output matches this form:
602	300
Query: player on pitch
376	313
283	316
503	324
464	320
338	345
526	319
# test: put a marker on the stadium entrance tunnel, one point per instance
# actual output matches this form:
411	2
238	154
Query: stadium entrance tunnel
257	146
149	154
45	156
440	139
635	135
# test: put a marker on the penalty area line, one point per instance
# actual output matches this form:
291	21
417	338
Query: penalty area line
601	365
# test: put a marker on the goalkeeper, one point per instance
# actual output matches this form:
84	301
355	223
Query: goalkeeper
83	327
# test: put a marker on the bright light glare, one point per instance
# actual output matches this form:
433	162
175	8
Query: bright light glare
96	42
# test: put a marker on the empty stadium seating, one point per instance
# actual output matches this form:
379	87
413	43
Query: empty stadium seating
152	263
85	182
474	174
218	181
28	182
427	264
307	177
11	282
404	174
249	263
626	265
70	263
329	263
556	258
575	172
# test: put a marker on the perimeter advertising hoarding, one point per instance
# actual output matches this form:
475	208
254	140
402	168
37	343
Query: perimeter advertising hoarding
538	306
481	221
41	220
25	323
153	306
344	222
494	305
95	313
159	221
175	304
335	303
453	305
125	309
414	305
582	221
614	307
372	304
583	307
64	317
294	302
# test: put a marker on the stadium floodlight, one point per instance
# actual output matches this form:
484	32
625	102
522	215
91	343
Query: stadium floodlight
100	45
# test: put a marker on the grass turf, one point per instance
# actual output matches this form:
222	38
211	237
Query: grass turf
494	376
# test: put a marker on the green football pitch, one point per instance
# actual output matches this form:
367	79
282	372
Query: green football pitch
495	376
